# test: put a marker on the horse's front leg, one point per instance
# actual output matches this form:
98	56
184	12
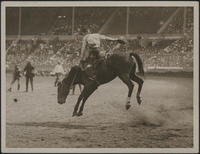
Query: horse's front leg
81	96
80	112
87	91
77	105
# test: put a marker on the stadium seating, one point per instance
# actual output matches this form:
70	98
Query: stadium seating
45	54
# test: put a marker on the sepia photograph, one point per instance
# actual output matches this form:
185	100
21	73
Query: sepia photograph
114	77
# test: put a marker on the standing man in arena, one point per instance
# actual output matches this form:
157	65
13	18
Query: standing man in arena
58	70
90	48
29	74
16	77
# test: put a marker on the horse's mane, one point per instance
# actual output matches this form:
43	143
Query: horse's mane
74	69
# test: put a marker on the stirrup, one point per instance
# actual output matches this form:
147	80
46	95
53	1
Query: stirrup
92	77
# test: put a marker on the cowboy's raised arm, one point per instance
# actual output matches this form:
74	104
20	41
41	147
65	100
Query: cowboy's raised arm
107	38
83	47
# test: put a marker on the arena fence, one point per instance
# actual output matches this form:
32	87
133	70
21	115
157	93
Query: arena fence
152	63
168	62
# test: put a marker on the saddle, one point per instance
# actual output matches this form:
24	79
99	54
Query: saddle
91	65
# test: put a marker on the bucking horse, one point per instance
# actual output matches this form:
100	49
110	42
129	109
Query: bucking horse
122	65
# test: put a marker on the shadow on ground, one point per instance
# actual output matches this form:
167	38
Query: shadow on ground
52	124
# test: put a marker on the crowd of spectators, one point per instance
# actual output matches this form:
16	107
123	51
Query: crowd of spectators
62	26
45	54
177	54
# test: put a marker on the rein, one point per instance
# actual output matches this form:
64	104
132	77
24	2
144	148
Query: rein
98	83
73	79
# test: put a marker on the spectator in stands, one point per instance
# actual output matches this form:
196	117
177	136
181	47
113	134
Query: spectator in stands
144	42
16	77
29	74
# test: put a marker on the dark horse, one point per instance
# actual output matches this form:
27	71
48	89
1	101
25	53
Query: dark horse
121	65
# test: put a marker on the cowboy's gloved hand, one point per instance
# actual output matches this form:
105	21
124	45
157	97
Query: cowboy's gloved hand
121	41
81	64
81	61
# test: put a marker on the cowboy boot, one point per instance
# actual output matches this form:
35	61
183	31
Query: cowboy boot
82	65
93	72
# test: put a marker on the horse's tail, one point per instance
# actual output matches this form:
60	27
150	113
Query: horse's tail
139	62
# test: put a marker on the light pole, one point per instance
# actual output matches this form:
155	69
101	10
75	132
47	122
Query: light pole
184	19
127	20
19	28
127	26
73	15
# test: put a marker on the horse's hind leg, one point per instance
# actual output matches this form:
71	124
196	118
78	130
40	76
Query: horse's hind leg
140	84
126	79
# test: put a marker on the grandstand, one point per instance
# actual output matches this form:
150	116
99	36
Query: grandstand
46	35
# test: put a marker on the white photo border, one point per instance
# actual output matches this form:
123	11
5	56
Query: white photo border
193	4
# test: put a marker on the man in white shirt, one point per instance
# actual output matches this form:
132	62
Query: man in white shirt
58	71
92	42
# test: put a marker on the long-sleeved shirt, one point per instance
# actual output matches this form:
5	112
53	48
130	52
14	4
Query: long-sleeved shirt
29	70
93	41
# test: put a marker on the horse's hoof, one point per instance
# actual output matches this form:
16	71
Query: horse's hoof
80	114
74	114
139	100
128	106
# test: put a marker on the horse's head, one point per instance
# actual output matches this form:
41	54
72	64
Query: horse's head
65	85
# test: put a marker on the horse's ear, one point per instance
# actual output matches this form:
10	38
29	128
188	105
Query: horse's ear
66	75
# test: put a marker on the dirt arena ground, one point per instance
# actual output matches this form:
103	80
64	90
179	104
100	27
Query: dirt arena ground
164	120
